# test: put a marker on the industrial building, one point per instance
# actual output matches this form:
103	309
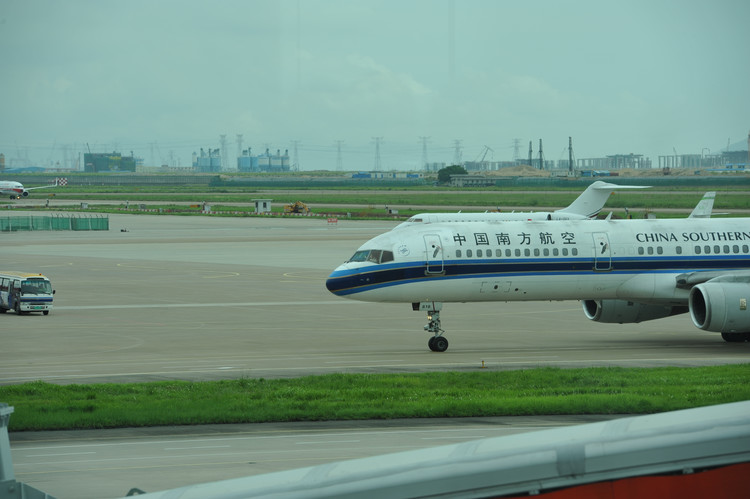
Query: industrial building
108	162
207	162
265	162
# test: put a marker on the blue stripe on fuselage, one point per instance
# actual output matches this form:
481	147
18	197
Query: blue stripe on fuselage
351	281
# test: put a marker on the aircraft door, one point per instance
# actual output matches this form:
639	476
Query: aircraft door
434	248
602	252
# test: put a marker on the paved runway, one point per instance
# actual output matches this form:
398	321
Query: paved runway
202	298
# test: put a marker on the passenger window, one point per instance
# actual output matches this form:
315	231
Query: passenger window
574	251
697	250
479	252
507	253
744	248
468	253
518	252
565	251
726	248
536	251
527	252
678	250
546	251
640	250
458	253
717	249
707	249
555	252
659	250
735	248
498	252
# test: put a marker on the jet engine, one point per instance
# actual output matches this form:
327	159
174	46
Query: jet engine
625	312
720	306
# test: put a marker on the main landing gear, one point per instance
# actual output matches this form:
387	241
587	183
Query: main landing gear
437	343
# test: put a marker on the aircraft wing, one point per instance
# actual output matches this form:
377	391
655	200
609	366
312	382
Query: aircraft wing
41	187
690	279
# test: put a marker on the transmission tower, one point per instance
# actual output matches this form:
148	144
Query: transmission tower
339	161
239	146
424	141
224	152
295	166
516	149
378	141
457	152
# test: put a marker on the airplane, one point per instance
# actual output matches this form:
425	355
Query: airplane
586	206
623	271
17	190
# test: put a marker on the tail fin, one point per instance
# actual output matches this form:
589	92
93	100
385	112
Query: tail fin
592	200
704	207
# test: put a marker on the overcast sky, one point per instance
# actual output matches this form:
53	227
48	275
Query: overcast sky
165	78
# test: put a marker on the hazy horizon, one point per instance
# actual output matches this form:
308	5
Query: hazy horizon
164	79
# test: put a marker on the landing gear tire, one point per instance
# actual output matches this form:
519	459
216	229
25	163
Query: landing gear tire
438	344
46	312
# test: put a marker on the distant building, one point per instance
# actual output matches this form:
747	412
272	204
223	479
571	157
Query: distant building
463	180
615	162
108	162
265	162
208	161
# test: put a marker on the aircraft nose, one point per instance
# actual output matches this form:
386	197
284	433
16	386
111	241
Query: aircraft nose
337	283
330	285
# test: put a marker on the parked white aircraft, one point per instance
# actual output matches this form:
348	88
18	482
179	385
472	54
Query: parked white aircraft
623	271
17	190
587	205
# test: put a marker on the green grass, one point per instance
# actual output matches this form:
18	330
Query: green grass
44	406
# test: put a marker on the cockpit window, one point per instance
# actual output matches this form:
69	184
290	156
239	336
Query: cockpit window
372	256
415	220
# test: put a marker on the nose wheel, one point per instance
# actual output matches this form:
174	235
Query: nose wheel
438	343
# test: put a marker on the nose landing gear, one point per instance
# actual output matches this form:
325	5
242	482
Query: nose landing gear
437	343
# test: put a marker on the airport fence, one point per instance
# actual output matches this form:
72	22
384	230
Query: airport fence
54	222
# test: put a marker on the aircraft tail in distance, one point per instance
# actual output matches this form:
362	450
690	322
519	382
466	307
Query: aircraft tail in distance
592	200
704	207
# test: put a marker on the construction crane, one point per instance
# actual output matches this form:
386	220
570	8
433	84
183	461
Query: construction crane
480	161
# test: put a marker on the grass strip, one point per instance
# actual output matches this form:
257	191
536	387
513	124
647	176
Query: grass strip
44	406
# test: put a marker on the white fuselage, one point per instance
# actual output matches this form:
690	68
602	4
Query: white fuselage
11	188
636	260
